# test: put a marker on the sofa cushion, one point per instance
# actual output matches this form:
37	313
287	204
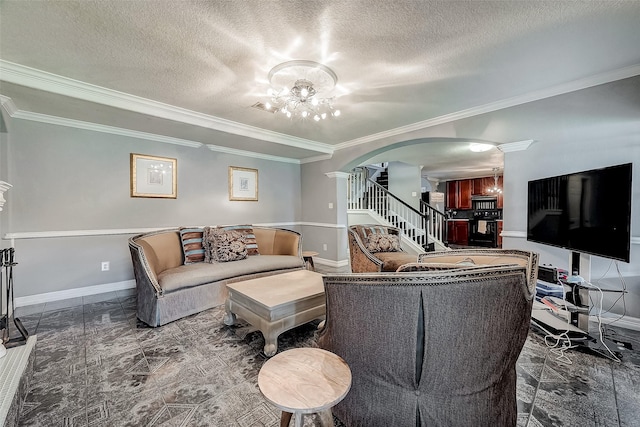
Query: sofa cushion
382	243
192	247
249	237
186	276
227	245
392	260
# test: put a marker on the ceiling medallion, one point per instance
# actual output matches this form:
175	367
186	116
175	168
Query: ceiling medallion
302	89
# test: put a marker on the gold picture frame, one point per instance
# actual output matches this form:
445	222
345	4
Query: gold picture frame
153	176
243	184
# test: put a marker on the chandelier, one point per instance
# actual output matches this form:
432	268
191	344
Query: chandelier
495	189
302	89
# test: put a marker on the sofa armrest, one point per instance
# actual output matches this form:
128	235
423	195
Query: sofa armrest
143	272
362	261
287	242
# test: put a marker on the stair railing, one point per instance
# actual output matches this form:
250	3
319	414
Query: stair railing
357	188
408	219
436	221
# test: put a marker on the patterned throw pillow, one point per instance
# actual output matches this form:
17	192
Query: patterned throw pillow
227	245
383	243
192	244
367	231
250	238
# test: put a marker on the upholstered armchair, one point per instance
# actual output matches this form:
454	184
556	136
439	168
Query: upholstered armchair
436	347
366	256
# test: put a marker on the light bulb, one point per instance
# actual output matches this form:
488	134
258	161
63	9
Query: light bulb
289	114
314	101
316	118
336	113
267	106
304	92
305	113
323	115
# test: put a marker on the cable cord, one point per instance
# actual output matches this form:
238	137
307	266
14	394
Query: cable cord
599	318
562	344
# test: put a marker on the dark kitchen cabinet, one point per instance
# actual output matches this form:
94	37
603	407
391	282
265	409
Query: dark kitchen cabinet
458	232
480	186
452	194
459	194
500	196
464	193
499	236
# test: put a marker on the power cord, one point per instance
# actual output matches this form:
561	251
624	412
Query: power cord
562	343
588	285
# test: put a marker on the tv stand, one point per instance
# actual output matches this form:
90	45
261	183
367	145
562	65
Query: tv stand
569	318
579	297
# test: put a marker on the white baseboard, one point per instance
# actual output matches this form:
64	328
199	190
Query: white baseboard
331	263
74	293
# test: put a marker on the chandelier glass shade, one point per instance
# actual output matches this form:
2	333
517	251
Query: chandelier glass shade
495	189
302	89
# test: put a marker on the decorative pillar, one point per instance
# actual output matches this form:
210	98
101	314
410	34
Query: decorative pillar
4	186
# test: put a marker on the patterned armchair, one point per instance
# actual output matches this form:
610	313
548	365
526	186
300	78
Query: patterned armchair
436	347
367	255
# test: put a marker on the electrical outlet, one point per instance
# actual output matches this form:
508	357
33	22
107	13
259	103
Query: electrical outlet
324	246
105	265
330	205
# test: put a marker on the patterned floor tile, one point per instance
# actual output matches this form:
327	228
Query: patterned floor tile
97	366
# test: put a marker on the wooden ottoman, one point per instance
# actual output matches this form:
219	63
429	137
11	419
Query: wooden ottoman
275	304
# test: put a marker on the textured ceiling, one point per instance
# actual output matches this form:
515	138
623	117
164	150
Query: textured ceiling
397	62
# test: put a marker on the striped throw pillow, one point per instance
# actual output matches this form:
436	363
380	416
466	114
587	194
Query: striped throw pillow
192	248
249	237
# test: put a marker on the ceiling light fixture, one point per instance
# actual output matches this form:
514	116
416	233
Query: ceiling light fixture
302	89
477	147
495	189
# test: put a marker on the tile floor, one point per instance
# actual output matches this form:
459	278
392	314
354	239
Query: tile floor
97	366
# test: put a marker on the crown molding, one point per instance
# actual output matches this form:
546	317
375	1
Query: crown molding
42	80
255	155
316	158
8	105
515	146
61	121
560	89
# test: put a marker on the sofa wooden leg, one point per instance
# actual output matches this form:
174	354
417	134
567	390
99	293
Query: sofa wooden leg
229	318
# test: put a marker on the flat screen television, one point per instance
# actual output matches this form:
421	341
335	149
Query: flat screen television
588	212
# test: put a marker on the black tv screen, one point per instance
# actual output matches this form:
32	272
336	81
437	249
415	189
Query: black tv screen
587	212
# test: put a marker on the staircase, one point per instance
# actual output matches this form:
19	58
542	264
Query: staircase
424	227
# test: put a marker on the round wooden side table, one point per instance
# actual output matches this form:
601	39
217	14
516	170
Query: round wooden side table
305	381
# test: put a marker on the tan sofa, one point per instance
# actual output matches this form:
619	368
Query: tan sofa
365	261
435	346
168	290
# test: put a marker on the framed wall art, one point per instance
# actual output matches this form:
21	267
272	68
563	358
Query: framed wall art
153	176
243	184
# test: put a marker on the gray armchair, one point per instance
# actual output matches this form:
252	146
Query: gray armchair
432	348
363	260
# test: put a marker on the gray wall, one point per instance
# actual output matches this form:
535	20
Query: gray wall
573	151
404	180
67	179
